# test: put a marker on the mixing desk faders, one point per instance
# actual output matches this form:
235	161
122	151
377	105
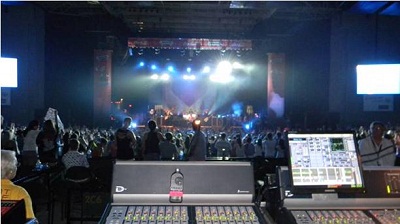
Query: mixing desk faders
182	214
383	216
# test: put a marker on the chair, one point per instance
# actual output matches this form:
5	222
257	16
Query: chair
78	174
77	179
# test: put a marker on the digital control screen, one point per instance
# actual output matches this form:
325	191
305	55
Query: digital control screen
329	160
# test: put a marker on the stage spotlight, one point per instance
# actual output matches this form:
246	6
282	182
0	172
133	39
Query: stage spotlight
224	67
153	67
189	77
141	64
154	76
206	69
140	52
247	126
170	68
165	76
238	54
223	73
188	69
133	125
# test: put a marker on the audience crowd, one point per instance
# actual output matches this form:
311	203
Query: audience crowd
45	142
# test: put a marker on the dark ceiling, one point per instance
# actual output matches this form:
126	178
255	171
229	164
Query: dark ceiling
260	21
223	19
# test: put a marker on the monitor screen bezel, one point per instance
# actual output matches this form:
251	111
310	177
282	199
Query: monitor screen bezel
321	189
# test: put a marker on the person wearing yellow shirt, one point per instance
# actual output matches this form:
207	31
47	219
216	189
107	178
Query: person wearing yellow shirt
10	191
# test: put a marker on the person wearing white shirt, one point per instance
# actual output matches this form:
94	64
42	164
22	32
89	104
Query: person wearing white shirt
30	149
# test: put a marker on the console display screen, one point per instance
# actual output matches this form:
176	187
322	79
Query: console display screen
324	162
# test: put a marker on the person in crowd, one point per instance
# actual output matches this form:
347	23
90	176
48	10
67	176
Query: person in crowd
101	147
361	133
198	145
19	138
280	145
397	143
168	149
212	151
47	142
151	142
138	148
73	157
125	140
248	147
30	149
269	146
223	146
179	146
83	142
259	151
65	140
187	141
10	191
9	140
179	136
237	150
111	149
375	149
2	120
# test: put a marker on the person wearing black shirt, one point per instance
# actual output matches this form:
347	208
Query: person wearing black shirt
125	140
151	141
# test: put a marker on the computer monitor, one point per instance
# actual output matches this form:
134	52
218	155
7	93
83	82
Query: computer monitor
325	163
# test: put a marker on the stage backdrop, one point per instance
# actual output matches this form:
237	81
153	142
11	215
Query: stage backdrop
102	86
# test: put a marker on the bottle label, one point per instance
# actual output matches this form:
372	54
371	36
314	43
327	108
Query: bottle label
176	187
175	193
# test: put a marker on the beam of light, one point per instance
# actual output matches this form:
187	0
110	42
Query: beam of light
237	65
221	78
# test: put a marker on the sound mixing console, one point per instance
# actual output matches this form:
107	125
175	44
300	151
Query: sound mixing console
380	203
174	192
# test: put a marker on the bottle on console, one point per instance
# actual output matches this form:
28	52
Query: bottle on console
176	187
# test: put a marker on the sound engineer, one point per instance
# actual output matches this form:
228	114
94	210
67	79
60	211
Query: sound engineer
375	149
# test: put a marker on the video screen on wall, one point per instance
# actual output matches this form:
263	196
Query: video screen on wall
8	72
378	79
